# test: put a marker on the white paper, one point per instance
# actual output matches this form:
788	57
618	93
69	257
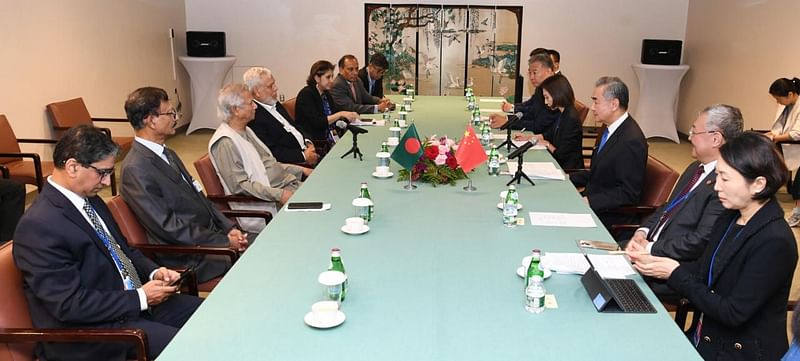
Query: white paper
491	100
369	122
608	266
500	136
487	110
540	170
562	219
325	207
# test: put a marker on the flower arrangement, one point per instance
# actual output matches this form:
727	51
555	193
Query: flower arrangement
438	164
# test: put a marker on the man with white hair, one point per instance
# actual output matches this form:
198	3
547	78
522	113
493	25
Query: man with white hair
273	125
243	162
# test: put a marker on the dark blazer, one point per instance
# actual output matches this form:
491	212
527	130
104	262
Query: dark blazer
377	89
746	302
172	211
343	97
281	143
310	112
616	177
536	116
685	235
70	279
566	134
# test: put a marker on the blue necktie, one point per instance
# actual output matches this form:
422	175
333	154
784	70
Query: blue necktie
121	260
603	140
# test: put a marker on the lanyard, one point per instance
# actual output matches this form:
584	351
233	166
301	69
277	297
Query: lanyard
713	256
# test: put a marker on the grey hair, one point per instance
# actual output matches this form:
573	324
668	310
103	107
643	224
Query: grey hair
614	88
252	77
229	97
542	58
725	119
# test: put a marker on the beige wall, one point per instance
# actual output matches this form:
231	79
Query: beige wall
736	49
595	38
96	49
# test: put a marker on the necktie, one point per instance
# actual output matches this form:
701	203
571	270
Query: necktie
673	206
603	140
123	263
173	163
353	91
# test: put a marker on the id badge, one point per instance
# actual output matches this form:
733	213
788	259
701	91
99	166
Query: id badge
197	186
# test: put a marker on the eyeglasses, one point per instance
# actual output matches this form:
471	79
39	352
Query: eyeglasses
173	113
101	172
692	132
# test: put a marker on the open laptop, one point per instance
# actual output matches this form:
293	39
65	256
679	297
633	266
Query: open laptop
614	295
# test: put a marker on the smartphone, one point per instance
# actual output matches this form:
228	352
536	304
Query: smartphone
606	246
304	205
184	275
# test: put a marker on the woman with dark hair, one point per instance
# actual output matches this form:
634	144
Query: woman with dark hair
740	285
315	111
787	128
564	138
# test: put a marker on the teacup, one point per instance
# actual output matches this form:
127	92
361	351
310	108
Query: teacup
354	224
325	311
382	171
401	122
393	141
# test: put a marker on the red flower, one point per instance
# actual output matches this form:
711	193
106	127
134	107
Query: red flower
431	152
452	162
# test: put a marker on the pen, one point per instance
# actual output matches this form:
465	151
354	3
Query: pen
522	131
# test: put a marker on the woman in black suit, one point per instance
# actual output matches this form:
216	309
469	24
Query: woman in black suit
565	137
314	110
740	286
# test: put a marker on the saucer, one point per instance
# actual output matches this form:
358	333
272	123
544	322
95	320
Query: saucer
362	231
521	272
313	322
382	176
500	205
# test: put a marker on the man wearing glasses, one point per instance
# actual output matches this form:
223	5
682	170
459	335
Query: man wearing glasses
372	75
167	201
78	269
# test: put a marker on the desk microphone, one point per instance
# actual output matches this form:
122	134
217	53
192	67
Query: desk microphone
522	149
341	124
513	118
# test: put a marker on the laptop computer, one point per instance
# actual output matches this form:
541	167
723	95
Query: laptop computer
614	295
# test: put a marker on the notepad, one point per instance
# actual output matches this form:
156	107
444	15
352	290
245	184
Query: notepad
487	110
609	266
491	100
552	219
539	170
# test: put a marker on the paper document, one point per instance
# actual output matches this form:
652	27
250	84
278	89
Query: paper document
487	110
562	219
369	122
608	266
325	207
499	136
539	170
491	100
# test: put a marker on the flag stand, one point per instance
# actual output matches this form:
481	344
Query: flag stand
469	187
410	186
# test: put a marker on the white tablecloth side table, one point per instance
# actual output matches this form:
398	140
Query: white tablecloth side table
207	76
656	111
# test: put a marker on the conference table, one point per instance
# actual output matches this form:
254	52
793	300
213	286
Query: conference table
433	279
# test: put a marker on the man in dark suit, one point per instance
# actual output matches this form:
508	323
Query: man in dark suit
273	125
78	269
372	75
159	190
12	204
350	94
616	176
536	116
680	228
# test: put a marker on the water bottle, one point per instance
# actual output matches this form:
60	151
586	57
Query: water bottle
534	295
486	134
494	161
510	207
476	116
534	268
385	147
471	103
337	265
371	209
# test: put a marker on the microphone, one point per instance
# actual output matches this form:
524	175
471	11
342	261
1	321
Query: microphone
341	124
511	120
522	149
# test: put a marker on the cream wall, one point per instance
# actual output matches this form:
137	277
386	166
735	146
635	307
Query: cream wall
736	49
594	37
100	50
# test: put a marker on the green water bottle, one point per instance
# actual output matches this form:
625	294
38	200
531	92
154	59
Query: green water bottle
365	194
384	147
534	268
510	207
494	161
337	265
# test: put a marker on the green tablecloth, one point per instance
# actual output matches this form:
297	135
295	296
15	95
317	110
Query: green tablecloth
433	279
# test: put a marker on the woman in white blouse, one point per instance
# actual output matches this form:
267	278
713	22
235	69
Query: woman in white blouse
787	128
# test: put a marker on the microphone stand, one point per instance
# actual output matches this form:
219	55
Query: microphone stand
519	174
354	150
508	143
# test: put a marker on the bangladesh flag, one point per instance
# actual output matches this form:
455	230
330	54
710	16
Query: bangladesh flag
409	150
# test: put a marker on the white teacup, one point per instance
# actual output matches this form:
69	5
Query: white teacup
325	311
393	141
354	224
401	122
382	170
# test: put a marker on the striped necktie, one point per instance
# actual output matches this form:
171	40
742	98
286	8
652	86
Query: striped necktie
123	263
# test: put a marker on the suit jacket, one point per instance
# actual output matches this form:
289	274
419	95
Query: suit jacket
70	279
270	131
172	211
377	89
342	96
616	177
536	116
310	112
566	134
746	301
685	235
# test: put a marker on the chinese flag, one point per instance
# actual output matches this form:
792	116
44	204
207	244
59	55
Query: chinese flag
409	150
470	153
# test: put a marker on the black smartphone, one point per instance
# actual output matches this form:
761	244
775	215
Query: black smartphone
304	205
184	275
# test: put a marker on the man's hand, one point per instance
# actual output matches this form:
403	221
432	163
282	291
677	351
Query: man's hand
287	194
507	107
638	242
497	120
158	291
311	154
165	274
237	240
384	104
307	171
